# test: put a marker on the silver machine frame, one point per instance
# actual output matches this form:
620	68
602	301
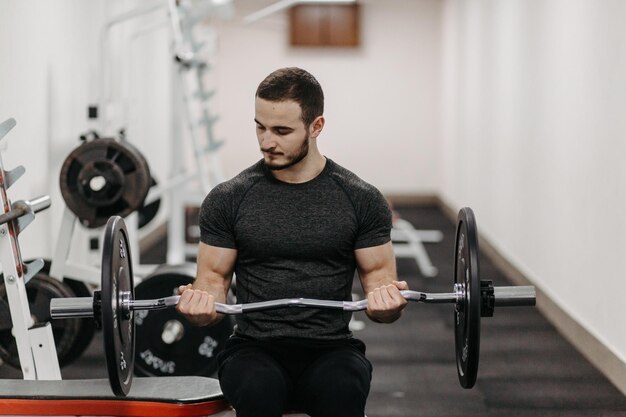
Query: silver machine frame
205	171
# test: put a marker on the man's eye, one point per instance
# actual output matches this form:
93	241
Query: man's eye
283	132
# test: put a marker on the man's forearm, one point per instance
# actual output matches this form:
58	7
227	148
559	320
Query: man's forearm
215	285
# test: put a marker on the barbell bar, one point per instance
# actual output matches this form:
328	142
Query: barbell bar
61	308
113	306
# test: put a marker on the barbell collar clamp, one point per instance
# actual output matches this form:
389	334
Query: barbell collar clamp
70	307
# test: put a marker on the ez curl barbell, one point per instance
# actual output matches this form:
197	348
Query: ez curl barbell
112	307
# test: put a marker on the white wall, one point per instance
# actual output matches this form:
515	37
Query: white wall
382	98
534	94
46	77
50	71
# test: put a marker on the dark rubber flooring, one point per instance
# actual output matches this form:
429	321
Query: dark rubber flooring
526	367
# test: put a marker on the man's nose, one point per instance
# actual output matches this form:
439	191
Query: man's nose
268	140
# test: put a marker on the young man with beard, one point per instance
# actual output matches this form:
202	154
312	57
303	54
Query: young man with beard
295	224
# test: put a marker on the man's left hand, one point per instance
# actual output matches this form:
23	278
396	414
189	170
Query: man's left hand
385	303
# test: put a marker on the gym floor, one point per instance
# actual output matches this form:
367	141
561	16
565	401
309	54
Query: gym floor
526	367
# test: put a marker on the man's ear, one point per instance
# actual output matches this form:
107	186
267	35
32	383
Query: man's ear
316	126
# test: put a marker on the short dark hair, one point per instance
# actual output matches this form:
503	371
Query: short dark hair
294	84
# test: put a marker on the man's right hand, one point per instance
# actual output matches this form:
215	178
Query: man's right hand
197	306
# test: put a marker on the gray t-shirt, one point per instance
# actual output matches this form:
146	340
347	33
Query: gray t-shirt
295	240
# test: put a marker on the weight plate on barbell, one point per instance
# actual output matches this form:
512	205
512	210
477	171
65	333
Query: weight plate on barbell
166	343
467	311
118	325
40	290
103	178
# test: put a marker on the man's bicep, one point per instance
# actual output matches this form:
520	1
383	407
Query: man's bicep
215	263
376	266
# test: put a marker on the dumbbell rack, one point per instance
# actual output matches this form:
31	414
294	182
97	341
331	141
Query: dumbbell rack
35	344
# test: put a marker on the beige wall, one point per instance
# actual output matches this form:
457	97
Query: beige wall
382	99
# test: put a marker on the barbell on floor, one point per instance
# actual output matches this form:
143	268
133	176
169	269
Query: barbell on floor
113	306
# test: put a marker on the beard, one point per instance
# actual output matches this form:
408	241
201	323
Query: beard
293	159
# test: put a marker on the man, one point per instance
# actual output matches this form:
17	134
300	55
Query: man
295	224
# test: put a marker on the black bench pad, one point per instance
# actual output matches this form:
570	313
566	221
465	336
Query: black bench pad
176	390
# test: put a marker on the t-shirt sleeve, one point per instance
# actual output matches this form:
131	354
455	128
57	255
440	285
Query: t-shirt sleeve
374	220
217	219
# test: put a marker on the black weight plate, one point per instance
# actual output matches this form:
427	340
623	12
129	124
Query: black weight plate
40	290
167	344
118	325
467	312
124	182
146	213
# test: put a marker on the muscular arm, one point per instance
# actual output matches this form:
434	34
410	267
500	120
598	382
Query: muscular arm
377	271
215	271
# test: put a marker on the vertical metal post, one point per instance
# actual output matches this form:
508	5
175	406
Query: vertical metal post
63	245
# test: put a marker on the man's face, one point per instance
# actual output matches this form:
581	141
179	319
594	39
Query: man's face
283	137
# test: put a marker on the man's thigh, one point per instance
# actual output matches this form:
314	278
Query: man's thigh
336	384
250	377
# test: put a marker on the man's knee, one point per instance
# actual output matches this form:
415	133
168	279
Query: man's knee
257	399
255	387
350	386
338	386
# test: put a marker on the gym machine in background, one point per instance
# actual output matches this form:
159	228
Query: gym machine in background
191	177
105	176
408	242
192	149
